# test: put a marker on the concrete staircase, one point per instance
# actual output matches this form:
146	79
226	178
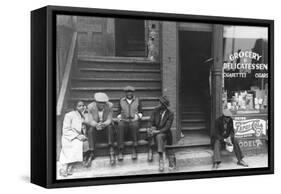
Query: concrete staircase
111	75
194	119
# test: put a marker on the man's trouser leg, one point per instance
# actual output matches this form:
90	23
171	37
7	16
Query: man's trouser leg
110	140
91	139
160	143
237	149
90	135
133	131
122	125
217	151
151	143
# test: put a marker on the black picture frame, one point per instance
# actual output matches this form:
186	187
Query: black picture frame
43	96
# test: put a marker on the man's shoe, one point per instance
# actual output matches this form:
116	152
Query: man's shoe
161	165
172	163
134	154
63	173
88	162
120	155
150	155
242	163
215	166
112	159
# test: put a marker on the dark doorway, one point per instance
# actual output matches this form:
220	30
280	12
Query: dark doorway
195	56
130	38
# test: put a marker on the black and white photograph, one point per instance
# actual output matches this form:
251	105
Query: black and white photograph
145	96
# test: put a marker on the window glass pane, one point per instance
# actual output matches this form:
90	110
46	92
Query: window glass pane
245	68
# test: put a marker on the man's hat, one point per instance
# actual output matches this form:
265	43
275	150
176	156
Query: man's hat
226	113
164	100
129	88
101	97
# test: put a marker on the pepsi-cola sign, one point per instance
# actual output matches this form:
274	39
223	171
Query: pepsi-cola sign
250	127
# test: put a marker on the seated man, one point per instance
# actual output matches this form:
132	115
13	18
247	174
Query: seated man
100	121
129	114
224	133
159	130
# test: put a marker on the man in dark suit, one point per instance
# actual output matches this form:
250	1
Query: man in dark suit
159	133
224	134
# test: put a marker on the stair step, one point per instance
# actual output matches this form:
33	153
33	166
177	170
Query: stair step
118	64
193	138
114	88
143	108
193	128
113	59
144	118
190	112
126	143
193	120
117	79
121	70
116	82
145	101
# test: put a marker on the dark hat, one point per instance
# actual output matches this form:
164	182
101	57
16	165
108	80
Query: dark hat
129	88
164	100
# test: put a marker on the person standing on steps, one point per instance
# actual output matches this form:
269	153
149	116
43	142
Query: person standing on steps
159	133
224	134
129	114
99	121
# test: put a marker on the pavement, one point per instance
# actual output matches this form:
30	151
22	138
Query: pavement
186	162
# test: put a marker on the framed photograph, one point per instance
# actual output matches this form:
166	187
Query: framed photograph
126	96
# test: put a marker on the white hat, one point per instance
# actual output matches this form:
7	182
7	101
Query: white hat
101	97
226	113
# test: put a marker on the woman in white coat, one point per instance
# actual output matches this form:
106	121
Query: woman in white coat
72	139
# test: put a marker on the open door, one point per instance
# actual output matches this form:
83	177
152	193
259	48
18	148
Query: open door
195	52
130	38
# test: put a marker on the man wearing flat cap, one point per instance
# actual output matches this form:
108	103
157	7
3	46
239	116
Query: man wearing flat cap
100	123
129	114
159	133
224	134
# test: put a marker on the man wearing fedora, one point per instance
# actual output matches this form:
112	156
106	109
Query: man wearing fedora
129	114
224	134
159	133
99	121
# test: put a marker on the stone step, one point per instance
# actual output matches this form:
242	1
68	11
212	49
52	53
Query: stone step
118	64
188	159
87	92
116	82
194	120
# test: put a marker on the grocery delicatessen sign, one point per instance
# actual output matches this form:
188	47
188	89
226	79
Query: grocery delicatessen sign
245	127
242	61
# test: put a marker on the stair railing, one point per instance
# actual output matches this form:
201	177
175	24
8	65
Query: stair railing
64	87
66	75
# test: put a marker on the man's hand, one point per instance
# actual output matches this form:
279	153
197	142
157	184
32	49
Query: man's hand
82	137
99	126
136	117
227	140
119	118
152	131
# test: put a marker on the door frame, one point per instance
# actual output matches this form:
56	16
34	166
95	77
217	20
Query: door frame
216	84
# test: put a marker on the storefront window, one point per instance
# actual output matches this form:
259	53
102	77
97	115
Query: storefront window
245	69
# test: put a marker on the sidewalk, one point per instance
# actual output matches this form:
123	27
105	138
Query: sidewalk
186	162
